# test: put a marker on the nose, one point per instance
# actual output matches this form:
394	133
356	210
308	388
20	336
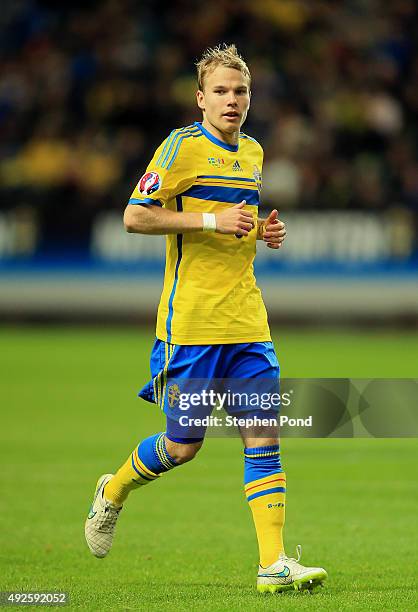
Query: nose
232	99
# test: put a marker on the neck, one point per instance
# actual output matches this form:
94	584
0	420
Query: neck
230	138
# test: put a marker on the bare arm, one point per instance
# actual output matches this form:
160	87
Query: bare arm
152	219
155	220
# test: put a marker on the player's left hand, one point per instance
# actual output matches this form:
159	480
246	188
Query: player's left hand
273	231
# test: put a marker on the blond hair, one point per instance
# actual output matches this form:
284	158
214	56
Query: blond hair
222	55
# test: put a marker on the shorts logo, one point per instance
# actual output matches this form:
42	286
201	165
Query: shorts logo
149	183
173	395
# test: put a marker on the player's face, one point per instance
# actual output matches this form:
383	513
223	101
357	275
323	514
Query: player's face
225	100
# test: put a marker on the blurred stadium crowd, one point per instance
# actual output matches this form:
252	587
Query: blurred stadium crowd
88	90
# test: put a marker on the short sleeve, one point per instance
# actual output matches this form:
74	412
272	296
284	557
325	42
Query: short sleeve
170	172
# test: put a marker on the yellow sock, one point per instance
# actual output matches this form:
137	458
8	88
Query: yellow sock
131	475
146	463
266	498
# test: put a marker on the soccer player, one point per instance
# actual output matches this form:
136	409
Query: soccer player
202	190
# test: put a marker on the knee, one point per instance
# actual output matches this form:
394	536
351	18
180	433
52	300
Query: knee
182	453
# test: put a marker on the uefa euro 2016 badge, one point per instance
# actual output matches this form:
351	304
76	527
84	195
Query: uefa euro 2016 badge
257	176
149	183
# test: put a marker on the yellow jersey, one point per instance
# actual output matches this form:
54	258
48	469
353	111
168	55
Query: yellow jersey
210	294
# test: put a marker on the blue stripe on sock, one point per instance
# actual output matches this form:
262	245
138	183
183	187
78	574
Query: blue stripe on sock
266	492
260	462
262	450
138	472
164	457
147	452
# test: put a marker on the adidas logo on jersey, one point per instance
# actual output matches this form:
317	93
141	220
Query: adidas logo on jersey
236	167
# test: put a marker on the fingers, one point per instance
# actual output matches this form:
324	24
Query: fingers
274	234
246	221
277	240
274	231
240	205
247	227
246	213
272	216
236	220
277	225
244	229
243	213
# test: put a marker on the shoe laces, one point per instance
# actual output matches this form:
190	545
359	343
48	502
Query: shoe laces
299	554
108	517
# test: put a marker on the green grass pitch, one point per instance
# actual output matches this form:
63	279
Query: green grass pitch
70	413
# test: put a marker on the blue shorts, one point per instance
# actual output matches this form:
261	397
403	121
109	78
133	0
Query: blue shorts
173	366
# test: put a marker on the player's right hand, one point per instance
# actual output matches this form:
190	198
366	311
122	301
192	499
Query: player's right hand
235	220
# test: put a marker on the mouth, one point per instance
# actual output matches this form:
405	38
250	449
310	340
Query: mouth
231	115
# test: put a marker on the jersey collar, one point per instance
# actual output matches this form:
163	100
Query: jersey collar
215	140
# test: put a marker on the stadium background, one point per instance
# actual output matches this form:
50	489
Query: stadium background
87	91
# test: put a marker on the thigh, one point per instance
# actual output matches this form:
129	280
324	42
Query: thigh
252	371
178	372
251	360
254	376
191	372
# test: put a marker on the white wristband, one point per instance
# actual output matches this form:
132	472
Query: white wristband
209	222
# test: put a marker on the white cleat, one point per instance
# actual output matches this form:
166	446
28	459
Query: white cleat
100	524
287	573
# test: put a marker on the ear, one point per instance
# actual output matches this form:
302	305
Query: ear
200	98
